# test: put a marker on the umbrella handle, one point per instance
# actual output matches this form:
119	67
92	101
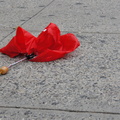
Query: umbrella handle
3	70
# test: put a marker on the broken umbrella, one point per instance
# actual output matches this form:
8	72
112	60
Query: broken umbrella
48	46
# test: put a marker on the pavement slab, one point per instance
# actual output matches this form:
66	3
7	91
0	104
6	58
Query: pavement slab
83	85
15	13
80	16
84	80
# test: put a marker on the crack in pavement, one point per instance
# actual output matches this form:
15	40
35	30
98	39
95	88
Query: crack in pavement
28	19
38	12
59	110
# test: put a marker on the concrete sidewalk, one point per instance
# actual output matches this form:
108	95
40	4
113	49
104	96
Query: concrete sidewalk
85	84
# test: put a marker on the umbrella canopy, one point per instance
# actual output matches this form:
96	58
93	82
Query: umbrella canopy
49	45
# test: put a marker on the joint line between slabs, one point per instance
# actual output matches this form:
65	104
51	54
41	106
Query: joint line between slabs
84	32
7	35
59	110
38	12
28	19
99	32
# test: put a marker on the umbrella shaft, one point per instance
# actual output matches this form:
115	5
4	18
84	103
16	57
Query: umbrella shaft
17	62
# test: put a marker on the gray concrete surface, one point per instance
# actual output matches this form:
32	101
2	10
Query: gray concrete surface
85	84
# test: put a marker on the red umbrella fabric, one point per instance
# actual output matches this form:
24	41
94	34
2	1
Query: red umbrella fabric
48	46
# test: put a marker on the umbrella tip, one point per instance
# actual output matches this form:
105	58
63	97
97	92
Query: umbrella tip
3	70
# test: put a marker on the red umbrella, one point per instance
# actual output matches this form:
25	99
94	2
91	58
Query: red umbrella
48	46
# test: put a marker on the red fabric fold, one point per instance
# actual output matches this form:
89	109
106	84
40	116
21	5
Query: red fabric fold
19	44
48	46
